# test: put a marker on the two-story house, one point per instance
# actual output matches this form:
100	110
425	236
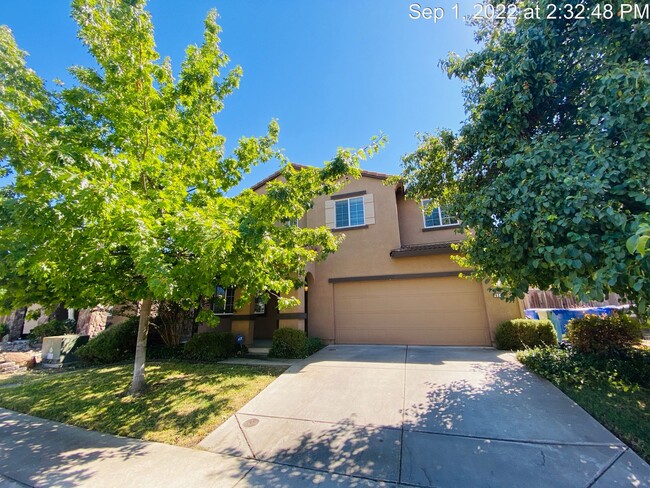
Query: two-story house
391	281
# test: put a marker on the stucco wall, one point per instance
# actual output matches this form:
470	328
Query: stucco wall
365	251
411	225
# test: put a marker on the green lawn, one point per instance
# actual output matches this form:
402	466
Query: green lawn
183	404
615	392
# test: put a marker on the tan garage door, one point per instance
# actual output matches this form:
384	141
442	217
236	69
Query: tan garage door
427	311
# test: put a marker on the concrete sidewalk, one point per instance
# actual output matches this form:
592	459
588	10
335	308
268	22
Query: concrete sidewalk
41	453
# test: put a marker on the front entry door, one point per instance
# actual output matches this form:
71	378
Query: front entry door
266	323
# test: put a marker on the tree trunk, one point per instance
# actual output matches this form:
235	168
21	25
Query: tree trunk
139	382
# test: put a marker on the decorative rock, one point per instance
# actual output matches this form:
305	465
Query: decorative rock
92	321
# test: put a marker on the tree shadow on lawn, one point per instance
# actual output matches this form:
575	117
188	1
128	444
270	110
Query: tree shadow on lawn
182	404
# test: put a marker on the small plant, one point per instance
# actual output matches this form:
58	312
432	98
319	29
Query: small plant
51	328
524	333
604	335
4	330
116	343
211	346
289	343
314	344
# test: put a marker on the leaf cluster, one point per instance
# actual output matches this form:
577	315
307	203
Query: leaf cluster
551	169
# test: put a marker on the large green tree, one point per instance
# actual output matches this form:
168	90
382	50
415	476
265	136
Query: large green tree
551	169
120	182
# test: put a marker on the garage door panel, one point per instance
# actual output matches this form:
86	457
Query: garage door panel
442	311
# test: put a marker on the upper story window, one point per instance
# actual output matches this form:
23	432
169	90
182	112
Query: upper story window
349	212
224	300
438	217
354	210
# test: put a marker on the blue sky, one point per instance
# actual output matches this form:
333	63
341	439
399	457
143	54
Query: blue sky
333	72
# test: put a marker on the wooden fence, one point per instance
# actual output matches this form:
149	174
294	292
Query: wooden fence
546	299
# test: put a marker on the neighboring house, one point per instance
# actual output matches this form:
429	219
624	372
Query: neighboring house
391	281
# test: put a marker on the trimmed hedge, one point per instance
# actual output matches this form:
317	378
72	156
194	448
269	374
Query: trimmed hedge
116	343
211	346
51	328
524	333
289	343
604	335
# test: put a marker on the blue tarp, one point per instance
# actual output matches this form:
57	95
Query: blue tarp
561	316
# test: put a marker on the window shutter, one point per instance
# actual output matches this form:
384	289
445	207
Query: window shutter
369	208
330	214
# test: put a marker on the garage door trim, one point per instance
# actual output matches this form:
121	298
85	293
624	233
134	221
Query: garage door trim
408	276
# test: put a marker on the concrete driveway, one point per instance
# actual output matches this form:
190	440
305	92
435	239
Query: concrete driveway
422	416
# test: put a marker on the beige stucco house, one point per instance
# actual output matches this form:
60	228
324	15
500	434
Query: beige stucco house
391	281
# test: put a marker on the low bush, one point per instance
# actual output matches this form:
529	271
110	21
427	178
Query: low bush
4	330
604	335
314	344
163	352
116	343
288	343
566	366
211	346
524	333
51	328
614	390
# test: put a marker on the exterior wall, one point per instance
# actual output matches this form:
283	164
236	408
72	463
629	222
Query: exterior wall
499	310
411	225
392	221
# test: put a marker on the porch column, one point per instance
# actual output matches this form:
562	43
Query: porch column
294	318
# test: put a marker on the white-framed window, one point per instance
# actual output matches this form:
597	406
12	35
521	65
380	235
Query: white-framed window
260	306
224	300
438	217
349	212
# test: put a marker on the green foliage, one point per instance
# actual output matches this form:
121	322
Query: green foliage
574	368
606	335
51	328
288	343
210	346
314	344
639	241
116	343
550	169
525	333
121	179
616	391
4	330
163	352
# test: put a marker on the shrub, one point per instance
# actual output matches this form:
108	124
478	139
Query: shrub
4	330
211	346
116	343
288	343
604	335
163	352
51	328
568	367
523	333
314	344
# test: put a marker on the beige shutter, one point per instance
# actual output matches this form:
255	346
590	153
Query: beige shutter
369	209
330	214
